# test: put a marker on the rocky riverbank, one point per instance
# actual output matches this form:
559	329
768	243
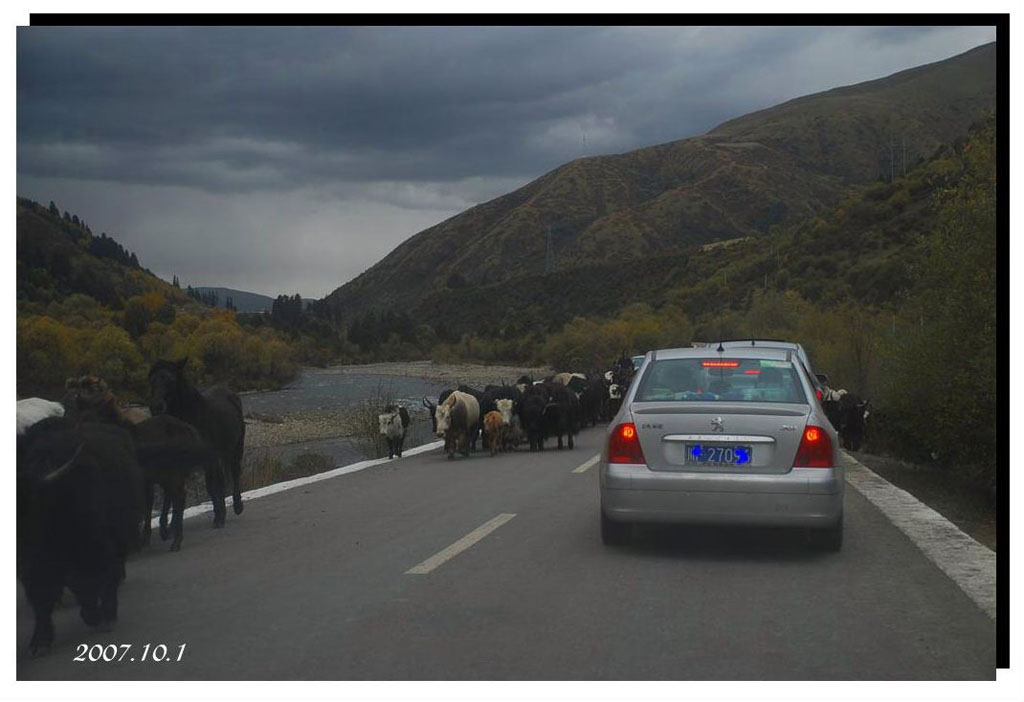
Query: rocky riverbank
469	373
263	430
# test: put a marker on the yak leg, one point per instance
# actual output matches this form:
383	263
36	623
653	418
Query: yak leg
147	523
87	591
215	488
165	507
108	593
43	594
179	513
235	462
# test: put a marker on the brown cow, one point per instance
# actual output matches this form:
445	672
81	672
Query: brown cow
494	426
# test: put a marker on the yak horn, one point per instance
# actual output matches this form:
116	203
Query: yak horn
63	470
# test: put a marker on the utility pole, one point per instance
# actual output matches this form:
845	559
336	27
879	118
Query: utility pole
892	158
904	139
549	255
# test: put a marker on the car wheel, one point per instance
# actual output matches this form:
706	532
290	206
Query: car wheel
830	539
615	533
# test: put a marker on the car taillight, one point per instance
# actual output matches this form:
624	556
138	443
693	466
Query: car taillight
624	445
815	449
819	393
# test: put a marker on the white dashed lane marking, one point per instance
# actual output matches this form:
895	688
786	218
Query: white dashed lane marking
459	546
589	464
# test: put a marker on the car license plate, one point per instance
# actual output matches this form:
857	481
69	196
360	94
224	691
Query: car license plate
718	455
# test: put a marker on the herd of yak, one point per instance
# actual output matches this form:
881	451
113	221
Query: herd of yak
87	469
502	416
86	474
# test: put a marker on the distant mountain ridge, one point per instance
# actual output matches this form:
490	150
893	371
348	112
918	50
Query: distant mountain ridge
772	167
242	300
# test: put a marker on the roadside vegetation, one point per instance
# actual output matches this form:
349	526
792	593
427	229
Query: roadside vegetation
892	293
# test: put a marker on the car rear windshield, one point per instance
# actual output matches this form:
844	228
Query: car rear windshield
721	379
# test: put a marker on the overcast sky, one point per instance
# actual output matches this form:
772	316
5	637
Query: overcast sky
283	160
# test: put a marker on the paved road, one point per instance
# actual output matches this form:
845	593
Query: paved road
312	583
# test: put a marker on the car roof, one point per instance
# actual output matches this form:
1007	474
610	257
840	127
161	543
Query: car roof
777	343
766	352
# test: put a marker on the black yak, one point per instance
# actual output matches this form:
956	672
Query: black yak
79	504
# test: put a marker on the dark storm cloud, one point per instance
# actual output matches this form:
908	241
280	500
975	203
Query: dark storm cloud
244	108
419	123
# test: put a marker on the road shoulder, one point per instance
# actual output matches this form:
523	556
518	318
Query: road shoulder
971	565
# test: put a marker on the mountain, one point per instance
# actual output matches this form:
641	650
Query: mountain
242	300
772	167
59	255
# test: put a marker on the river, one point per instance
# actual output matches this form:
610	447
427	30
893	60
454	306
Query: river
339	389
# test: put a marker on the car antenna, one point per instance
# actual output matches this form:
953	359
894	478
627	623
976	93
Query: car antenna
720	349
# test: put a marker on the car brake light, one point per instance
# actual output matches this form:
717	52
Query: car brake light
720	364
752	371
819	393
624	445
815	450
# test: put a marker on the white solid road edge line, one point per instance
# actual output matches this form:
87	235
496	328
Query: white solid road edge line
299	482
459	546
588	465
971	565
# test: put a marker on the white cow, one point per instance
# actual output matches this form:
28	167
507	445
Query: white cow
394	424
35	409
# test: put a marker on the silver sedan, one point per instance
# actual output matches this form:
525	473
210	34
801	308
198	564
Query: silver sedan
722	436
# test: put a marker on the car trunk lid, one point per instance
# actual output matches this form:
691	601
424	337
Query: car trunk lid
720	437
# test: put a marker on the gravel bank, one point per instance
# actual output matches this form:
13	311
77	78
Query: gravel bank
468	373
262	431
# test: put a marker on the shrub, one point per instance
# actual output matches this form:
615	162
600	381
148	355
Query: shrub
46	349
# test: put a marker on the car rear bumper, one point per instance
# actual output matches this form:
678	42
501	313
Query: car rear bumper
807	497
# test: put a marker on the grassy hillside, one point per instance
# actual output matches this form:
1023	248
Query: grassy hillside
771	168
59	255
882	291
85	305
865	249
